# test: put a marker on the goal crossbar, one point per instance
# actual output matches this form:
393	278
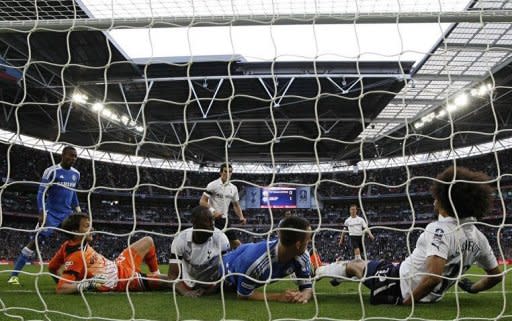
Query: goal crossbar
474	16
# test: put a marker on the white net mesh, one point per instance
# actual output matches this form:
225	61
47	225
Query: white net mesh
329	103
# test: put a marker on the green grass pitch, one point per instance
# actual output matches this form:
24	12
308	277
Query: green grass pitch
36	300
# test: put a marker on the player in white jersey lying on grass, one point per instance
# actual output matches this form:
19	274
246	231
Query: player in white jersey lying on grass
195	255
444	251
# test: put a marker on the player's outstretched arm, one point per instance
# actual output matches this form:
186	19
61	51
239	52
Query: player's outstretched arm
289	296
204	201
435	266
55	264
239	213
47	177
485	283
342	238
370	234
303	296
174	273
69	287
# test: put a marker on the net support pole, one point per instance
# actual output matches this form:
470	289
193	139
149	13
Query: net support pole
473	16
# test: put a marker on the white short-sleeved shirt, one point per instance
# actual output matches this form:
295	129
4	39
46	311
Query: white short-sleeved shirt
199	262
444	238
220	195
355	225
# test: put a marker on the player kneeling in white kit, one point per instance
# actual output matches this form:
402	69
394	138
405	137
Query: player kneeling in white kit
196	255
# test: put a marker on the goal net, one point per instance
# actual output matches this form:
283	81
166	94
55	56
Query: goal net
317	105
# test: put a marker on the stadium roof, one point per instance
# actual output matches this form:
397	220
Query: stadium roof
285	111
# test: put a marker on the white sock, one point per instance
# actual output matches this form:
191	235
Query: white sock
27	252
338	269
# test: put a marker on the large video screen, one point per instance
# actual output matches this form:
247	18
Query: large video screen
278	197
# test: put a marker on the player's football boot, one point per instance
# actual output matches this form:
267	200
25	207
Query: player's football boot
13	280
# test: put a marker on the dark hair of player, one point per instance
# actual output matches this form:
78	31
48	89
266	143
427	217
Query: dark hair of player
224	166
470	199
289	237
202	219
68	148
72	223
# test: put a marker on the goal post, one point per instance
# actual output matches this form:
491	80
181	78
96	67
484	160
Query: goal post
313	112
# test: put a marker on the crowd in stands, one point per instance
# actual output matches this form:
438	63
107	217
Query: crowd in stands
28	166
381	194
389	243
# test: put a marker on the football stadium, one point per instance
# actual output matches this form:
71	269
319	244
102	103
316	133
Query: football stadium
255	160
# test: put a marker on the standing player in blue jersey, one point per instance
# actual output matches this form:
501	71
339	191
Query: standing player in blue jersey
254	264
57	185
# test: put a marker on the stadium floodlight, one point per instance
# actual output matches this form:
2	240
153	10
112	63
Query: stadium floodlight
106	112
98	107
125	120
140	129
451	107
474	92
133	123
114	117
482	90
418	124
428	118
461	100
441	113
79	98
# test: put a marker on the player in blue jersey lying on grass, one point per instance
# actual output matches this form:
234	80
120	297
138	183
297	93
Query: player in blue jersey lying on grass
253	265
444	251
248	267
56	186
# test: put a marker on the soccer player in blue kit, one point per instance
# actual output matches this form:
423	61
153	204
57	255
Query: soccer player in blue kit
57	185
254	264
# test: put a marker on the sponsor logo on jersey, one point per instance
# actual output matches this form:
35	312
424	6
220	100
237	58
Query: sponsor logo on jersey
68	184
438	237
68	265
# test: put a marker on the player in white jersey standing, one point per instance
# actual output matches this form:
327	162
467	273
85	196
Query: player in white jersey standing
356	226
196	255
444	251
217	197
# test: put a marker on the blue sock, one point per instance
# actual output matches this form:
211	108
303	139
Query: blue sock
25	256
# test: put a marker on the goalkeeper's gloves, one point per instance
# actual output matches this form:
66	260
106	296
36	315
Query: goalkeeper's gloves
90	284
467	285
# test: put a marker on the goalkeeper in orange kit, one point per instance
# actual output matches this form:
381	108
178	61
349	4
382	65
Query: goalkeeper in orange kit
84	269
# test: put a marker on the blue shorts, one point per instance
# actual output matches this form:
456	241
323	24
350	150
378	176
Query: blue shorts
53	219
383	279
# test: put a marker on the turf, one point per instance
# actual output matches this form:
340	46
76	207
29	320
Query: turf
36	300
